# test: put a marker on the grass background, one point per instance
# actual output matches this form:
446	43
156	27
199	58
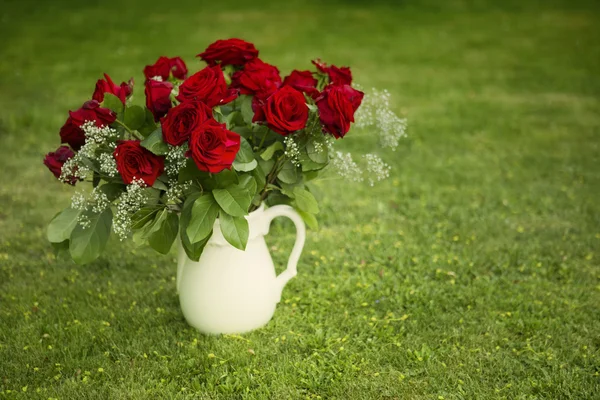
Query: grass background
471	273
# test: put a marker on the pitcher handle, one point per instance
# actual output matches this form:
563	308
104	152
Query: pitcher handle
290	271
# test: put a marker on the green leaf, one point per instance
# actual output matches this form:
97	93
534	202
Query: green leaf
248	182
163	235
270	151
155	143
260	176
234	229
223	179
234	119
189	172
305	200
309	219
193	250
149	124
135	117
143	216
243	131
234	200
246	108
112	190
62	225
88	243
113	103
61	250
160	185
319	156
204	211
245	167
289	173
245	153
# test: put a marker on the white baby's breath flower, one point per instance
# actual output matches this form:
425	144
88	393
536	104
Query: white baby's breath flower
292	151
175	159
377	169
344	166
375	111
129	203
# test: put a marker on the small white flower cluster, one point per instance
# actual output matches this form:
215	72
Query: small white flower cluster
292	151
375	111
129	203
96	203
176	190
157	78
108	165
377	169
346	167
175	159
97	134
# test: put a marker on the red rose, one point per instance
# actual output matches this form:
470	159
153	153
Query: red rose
285	111
136	162
337	105
158	97
212	147
55	161
166	66
71	132
182	120
106	85
302	81
337	76
257	78
208	86
230	51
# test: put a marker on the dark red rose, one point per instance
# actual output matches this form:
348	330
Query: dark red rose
136	162
285	111
337	75
337	105
208	86
166	66
229	52
106	85
182	120
55	161
212	147
257	78
71	132
158	97
302	81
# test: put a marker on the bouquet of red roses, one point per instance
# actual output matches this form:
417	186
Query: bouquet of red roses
214	144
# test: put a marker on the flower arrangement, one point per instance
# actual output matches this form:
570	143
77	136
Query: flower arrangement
214	144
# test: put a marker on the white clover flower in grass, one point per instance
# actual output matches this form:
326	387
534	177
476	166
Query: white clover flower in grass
128	204
377	169
375	111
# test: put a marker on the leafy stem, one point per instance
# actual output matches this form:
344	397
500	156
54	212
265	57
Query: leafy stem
132	133
271	177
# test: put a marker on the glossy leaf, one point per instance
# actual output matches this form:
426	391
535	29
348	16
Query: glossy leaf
234	200
161	238
234	229
246	108
113	103
245	167
135	117
88	243
305	200
204	212
62	225
309	219
289	173
270	150
155	143
245	153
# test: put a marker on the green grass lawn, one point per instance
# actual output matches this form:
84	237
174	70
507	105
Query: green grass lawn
472	273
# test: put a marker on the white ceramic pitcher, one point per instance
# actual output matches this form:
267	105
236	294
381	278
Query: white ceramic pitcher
234	291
